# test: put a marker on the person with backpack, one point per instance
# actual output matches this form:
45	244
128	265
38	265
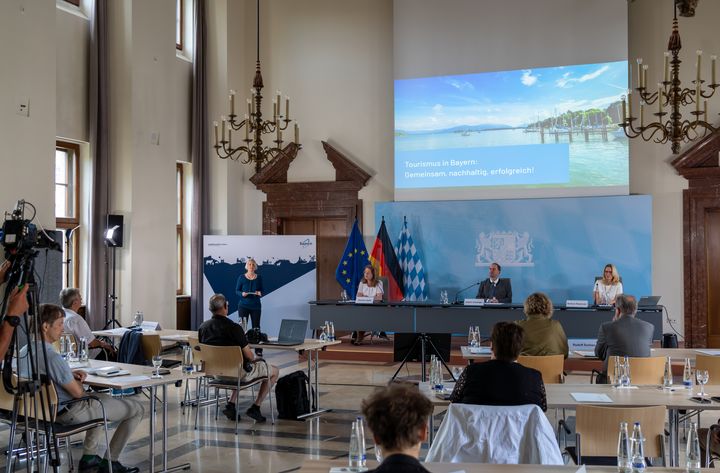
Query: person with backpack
221	331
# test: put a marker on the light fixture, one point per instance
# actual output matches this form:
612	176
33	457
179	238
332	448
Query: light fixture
670	96
252	149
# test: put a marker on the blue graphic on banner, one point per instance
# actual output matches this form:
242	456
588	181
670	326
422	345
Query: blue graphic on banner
488	166
223	276
557	246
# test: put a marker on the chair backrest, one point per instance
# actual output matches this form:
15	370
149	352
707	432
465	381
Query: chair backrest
221	361
711	364
50	403
599	427
386	287
495	434
550	366
643	370
151	345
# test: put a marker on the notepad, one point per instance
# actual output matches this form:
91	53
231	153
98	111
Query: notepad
108	371
591	397
585	354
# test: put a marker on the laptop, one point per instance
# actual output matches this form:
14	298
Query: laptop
648	301
292	332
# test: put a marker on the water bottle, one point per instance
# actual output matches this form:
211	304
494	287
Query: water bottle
356	457
668	376
139	318
331	334
638	450
323	335
692	455
432	377
626	373
439	382
83	350
188	360
687	375
623	450
64	346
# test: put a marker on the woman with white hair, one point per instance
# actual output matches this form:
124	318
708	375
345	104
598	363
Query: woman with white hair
249	288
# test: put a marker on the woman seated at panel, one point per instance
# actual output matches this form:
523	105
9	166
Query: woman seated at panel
501	381
369	286
608	287
543	336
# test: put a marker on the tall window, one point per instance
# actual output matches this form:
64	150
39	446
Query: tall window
179	20
180	184
67	206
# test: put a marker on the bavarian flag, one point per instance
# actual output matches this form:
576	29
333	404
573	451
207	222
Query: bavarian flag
386	264
349	272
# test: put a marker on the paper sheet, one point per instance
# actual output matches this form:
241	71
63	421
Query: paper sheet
581	469
584	353
117	331
480	350
132	379
709	352
591	397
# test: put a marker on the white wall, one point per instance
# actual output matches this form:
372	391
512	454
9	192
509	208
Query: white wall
72	47
27	55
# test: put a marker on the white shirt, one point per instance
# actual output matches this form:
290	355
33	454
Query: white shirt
76	325
607	292
365	290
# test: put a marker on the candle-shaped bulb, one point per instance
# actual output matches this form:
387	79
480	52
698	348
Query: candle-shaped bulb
232	92
215	126
713	58
287	108
297	134
247	128
624	111
666	59
644	73
699	62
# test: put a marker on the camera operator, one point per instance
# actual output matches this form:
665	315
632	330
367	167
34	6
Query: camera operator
17	306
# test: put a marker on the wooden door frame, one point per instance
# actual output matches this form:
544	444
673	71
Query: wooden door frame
699	165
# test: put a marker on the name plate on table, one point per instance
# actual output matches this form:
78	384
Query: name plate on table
577	304
149	325
364	300
474	302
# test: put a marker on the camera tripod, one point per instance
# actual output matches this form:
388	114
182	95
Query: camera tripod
423	339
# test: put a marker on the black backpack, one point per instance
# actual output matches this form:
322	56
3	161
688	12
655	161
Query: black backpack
291	395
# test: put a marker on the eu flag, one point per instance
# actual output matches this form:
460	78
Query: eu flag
349	272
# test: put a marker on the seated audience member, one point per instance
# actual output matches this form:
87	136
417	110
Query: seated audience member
625	335
76	325
68	383
501	381
608	287
495	288
221	331
543	336
398	419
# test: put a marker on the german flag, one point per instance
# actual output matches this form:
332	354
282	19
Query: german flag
386	264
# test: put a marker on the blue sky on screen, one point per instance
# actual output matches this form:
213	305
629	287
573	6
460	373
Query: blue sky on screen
510	98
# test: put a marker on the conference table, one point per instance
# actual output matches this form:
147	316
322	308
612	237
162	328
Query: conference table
560	396
140	377
324	466
676	354
427	317
310	346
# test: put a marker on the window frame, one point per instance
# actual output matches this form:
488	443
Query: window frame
180	228
181	12
66	223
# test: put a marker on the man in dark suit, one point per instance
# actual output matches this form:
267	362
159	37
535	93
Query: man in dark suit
398	419
625	335
494	288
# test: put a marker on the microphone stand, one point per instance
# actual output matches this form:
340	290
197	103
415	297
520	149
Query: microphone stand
455	301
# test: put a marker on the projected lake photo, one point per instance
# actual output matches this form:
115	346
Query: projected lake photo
546	127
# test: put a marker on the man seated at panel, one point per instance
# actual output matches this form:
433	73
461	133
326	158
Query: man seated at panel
495	288
398	419
69	386
75	324
625	335
221	331
543	336
501	381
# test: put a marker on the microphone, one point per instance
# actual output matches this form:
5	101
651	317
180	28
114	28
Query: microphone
455	301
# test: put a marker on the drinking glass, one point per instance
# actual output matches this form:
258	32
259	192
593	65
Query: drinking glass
157	363
343	295
471	336
64	345
71	354
702	377
444	297
624	374
476	335
378	454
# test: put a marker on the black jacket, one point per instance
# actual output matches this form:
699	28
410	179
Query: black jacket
400	463
502	290
500	383
221	331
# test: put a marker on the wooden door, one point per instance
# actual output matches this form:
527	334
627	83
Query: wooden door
331	237
712	252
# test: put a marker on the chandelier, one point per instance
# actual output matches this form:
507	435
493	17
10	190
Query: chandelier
251	148
671	96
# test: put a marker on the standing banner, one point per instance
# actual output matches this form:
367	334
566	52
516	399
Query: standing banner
286	264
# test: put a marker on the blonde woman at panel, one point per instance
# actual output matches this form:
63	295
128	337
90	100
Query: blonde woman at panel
543	336
608	287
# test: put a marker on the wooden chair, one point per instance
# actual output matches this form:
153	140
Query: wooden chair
550	366
597	428
152	346
643	370
711	364
12	408
224	367
194	345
